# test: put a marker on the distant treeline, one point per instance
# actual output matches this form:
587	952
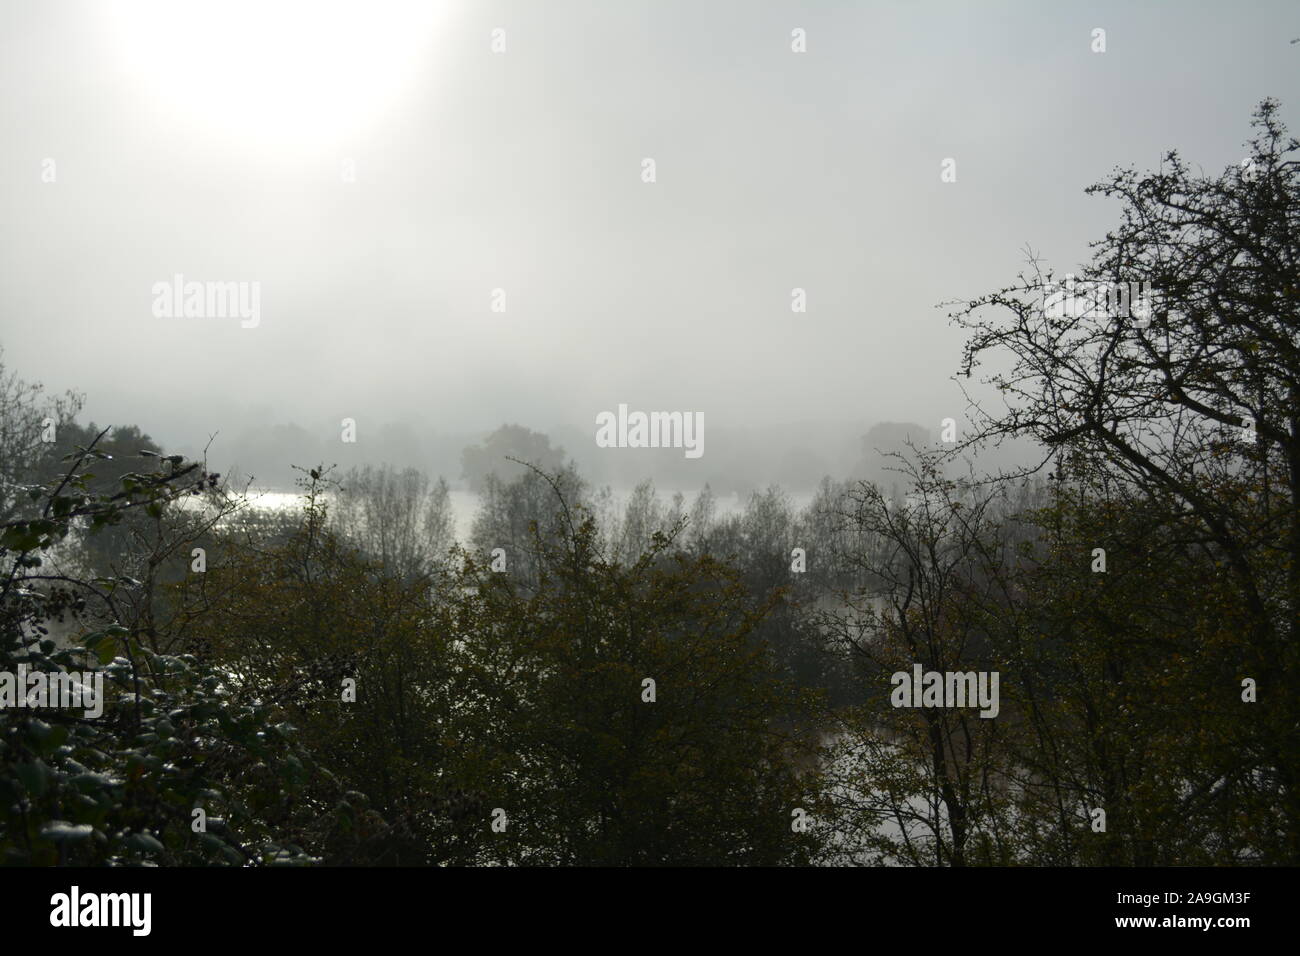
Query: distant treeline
738	461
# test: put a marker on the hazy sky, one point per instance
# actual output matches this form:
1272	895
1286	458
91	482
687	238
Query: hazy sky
211	141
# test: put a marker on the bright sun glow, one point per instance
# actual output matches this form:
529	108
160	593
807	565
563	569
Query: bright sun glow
277	74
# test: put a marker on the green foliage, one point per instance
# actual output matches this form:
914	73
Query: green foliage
476	692
120	788
591	772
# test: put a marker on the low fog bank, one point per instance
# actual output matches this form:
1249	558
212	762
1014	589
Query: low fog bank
738	460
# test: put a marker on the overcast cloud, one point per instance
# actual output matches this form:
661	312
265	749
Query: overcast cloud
217	154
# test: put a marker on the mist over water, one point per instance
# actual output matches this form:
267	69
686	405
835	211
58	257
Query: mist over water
927	374
465	504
